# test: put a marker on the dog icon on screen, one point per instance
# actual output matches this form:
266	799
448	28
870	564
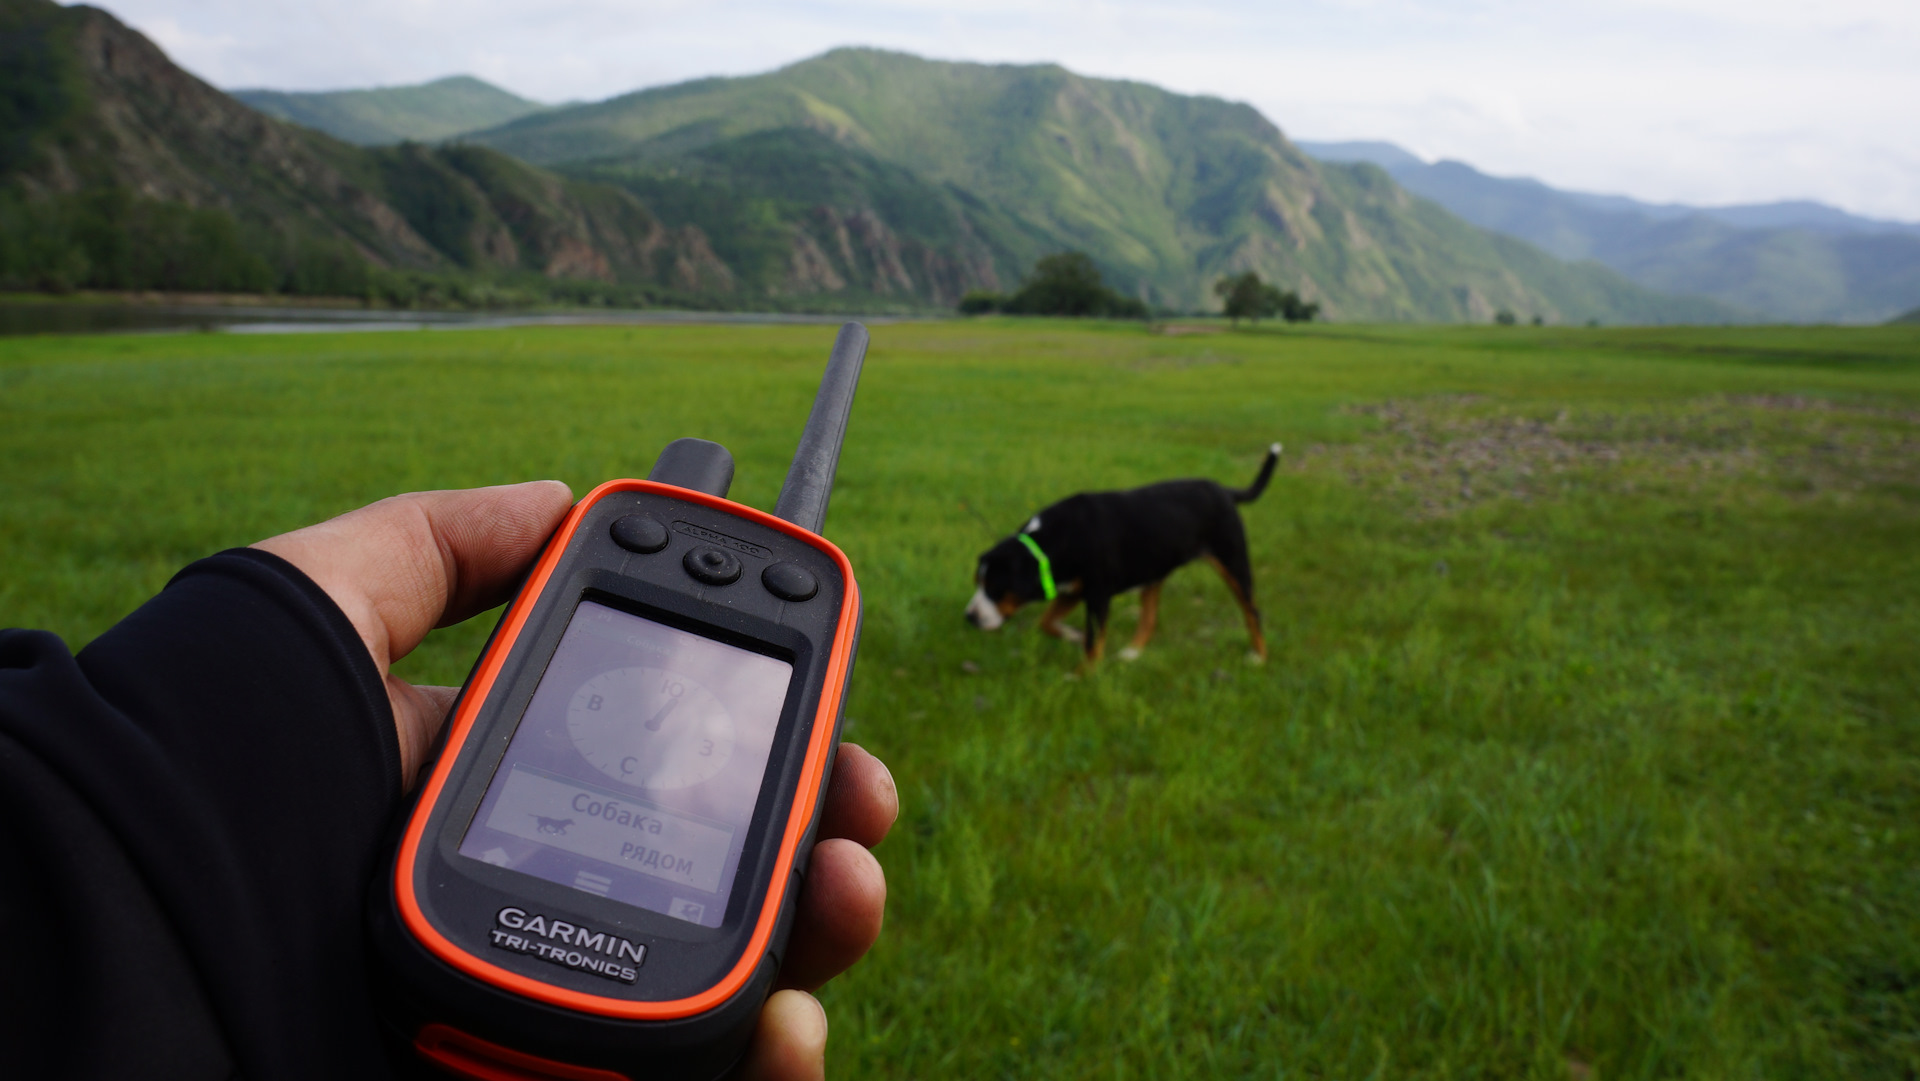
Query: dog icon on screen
555	826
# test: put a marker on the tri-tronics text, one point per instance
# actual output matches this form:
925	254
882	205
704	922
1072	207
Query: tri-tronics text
567	944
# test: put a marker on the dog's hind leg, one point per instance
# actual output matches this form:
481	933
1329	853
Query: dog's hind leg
1056	611
1235	573
1149	617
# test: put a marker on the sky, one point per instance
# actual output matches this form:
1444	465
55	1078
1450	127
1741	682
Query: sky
1707	102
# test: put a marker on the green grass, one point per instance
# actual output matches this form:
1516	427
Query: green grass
1588	746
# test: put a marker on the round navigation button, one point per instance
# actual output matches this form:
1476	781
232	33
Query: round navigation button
789	582
714	566
639	533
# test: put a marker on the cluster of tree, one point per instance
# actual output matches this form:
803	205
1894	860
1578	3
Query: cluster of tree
1245	296
508	290
1063	284
111	239
1505	318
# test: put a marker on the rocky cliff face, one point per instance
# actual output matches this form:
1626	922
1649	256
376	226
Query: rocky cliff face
837	250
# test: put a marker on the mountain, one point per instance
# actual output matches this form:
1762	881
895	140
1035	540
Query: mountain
119	170
856	179
1795	261
1388	156
391	114
1788	214
901	175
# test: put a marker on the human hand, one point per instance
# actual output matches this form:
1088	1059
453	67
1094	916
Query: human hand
405	565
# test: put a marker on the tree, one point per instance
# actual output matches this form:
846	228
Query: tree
1295	310
1504	318
1245	296
1070	284
981	302
1063	284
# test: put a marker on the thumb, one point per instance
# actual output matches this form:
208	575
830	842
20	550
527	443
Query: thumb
790	1042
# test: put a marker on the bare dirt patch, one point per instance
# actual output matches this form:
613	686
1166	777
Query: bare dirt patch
1157	361
1444	455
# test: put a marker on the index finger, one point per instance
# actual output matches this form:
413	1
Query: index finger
405	565
862	801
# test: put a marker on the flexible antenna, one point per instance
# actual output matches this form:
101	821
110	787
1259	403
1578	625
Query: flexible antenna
803	498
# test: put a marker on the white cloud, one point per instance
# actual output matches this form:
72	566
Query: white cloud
1691	100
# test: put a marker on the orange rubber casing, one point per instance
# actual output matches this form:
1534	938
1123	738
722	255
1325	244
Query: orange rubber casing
480	686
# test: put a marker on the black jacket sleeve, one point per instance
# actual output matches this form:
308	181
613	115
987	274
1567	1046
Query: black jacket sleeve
190	812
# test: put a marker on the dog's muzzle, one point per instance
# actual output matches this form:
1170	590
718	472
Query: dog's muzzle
983	613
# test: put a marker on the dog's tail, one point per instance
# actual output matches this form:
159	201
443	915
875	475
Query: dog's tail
1252	491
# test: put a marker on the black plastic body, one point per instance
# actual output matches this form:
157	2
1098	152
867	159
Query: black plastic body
461	897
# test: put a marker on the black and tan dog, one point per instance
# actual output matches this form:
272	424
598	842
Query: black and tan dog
1095	546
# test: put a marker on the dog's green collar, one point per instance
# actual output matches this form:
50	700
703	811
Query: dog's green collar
1046	568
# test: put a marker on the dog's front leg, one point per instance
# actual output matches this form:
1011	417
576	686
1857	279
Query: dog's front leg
1149	618
1096	643
1056	611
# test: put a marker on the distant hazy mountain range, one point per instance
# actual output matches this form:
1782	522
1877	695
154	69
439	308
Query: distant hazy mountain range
856	178
392	114
1792	261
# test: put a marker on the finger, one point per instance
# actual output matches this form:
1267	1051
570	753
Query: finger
861	799
402	566
418	713
790	1041
439	703
490	542
841	907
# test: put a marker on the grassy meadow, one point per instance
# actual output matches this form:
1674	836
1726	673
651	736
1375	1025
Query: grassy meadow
1589	746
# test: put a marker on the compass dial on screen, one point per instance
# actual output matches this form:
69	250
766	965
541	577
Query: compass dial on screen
650	728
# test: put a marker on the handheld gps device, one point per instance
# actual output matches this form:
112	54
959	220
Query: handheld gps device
599	872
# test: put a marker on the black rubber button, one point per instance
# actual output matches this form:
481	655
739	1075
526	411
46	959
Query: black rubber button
639	533
714	566
789	582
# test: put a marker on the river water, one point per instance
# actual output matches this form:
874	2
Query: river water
89	318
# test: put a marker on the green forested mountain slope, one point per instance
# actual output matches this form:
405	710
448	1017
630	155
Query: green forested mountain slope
793	212
120	170
1166	191
392	114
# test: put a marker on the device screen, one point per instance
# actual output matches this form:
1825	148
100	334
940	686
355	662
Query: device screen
634	772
